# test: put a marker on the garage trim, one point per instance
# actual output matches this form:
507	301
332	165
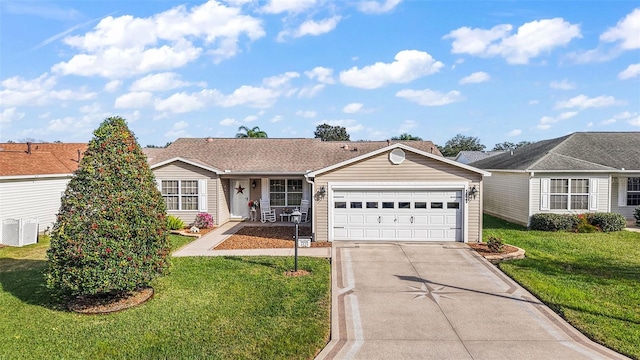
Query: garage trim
399	185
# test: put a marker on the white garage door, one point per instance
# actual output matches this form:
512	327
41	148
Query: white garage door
397	215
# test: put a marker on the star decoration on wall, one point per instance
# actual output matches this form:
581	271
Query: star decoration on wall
239	189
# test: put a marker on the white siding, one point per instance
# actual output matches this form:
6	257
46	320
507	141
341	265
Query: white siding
180	171
33	198
505	196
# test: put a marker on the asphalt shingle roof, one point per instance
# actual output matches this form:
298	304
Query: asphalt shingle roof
577	151
44	159
270	155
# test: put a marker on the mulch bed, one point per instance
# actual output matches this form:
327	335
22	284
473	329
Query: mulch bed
483	249
92	305
266	237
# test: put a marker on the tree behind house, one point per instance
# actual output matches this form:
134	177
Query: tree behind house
461	143
111	234
407	136
327	132
255	132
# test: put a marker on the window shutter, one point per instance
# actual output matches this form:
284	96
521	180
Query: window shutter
593	194
202	195
545	184
622	191
265	188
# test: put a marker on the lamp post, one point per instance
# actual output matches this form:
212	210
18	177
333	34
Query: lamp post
295	216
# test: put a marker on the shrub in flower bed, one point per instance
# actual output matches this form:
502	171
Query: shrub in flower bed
636	215
590	222
495	244
111	234
203	221
175	223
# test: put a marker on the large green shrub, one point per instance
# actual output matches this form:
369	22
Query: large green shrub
607	222
636	215
111	231
553	222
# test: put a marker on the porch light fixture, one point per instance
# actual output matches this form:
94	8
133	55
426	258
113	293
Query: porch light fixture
253	184
322	191
472	193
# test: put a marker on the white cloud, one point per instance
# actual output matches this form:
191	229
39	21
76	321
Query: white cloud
306	114
322	74
534	102
352	108
276	119
476	77
159	82
408	66
635	121
547	121
229	122
133	100
429	97
562	85
112	85
91	109
40	91
178	130
257	97
375	7
290	6
632	118
626	31
280	80
311	28
310	91
162	41
631	71
530	40
9	115
583	102
407	125
514	132
250	118
180	103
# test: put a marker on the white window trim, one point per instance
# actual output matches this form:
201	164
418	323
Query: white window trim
286	192
626	193
545	194
201	195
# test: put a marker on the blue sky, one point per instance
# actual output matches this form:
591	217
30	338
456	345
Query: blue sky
499	71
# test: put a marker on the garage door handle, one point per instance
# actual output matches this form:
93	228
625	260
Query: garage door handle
411	219
378	219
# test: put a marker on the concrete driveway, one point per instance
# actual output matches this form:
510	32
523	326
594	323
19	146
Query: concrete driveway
440	301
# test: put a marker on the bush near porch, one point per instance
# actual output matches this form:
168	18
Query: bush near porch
592	280
206	308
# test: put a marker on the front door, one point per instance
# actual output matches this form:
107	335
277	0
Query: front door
240	198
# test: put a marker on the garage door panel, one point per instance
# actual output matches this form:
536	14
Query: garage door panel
418	215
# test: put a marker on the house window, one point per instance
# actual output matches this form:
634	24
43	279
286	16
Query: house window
633	191
180	194
285	192
569	194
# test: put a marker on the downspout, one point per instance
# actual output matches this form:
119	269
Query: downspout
313	212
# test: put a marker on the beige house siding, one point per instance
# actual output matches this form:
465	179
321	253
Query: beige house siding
415	168
505	196
626	211
178	170
603	192
224	211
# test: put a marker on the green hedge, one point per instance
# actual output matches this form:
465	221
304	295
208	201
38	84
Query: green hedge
605	222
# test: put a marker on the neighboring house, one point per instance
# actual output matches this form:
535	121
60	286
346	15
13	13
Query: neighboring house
358	190
33	177
578	173
467	157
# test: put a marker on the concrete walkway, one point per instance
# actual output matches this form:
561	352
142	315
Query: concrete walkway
440	301
205	244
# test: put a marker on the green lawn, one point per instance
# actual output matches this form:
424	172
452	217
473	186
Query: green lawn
592	280
207	308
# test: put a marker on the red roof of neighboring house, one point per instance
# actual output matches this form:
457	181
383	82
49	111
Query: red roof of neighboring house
43	159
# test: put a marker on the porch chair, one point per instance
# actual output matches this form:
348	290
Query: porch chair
304	210
266	213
